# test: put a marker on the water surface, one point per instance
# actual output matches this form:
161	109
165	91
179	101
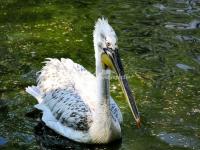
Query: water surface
159	46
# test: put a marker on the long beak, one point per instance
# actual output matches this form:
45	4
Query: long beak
117	66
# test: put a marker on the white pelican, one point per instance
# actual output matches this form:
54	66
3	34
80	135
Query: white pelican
78	105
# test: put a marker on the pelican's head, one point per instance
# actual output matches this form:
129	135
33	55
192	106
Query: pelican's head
106	49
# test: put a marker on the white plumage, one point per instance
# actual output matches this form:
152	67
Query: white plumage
77	104
64	88
70	98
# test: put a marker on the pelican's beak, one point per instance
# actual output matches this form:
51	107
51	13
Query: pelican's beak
112	60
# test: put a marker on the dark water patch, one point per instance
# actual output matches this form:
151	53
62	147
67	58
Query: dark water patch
23	13
48	139
34	114
29	75
3	69
17	4
3	105
25	17
141	49
3	37
195	55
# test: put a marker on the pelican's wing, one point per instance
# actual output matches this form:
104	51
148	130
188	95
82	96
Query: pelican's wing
116	111
58	87
69	109
64	108
67	115
64	112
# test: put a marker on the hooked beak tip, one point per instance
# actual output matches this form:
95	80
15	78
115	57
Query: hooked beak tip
138	123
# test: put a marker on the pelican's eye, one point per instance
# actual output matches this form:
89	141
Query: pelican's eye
108	44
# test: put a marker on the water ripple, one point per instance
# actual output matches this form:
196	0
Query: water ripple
184	67
188	38
177	139
190	7
183	26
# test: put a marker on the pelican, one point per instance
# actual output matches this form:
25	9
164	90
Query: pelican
77	104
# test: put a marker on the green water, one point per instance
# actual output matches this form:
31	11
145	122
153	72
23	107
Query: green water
159	46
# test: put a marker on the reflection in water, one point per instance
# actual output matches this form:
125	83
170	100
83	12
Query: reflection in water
3	141
50	140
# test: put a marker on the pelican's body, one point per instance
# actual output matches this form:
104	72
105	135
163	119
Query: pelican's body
75	103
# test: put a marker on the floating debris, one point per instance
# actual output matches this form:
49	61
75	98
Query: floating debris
48	139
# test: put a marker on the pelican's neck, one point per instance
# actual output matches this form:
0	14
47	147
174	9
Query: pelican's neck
102	74
104	125
103	84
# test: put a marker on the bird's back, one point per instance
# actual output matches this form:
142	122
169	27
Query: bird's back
65	74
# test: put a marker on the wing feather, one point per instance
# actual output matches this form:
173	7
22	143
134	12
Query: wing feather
64	87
